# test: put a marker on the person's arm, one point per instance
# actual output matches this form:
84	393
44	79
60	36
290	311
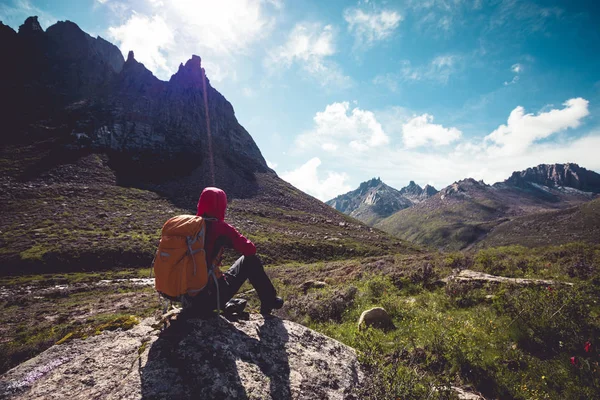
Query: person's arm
239	242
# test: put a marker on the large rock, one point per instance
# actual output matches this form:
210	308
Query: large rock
375	317
201	359
477	277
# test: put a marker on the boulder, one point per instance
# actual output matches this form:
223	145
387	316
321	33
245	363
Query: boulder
476	277
376	317
258	358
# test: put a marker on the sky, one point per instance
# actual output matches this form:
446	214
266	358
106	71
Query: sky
338	92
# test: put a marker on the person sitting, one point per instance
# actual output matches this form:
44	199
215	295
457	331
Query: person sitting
219	235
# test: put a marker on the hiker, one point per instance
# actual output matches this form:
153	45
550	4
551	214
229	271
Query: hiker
219	234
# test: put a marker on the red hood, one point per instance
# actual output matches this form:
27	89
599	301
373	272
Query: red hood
212	203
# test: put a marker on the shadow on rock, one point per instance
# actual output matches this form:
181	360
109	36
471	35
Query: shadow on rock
213	359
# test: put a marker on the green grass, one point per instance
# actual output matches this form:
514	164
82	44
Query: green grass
515	344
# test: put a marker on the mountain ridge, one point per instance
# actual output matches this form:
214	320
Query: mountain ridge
373	200
464	212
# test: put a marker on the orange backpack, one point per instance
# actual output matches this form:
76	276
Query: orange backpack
180	262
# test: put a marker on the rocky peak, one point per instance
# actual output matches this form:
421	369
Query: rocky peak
416	194
130	57
6	30
429	190
370	184
191	74
31	26
557	175
411	189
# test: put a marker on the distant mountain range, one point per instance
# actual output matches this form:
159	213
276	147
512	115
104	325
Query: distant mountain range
468	211
374	200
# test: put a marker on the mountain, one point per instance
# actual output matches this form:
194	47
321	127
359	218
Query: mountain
371	202
96	153
416	194
374	200
557	176
79	90
466	211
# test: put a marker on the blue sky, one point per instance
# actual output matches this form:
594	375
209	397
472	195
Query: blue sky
338	92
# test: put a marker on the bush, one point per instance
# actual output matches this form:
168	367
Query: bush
547	321
325	306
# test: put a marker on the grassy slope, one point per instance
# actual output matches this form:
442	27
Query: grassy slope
73	216
515	344
579	223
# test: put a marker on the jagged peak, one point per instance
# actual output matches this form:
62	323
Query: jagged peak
7	28
194	63
31	25
190	74
429	190
553	175
471	181
411	189
371	182
130	56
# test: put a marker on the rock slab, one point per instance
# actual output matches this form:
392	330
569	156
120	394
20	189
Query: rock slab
260	358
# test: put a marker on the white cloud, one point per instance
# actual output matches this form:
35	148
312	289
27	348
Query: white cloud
271	165
369	28
523	129
218	31
329	147
310	45
438	70
306	178
517	68
148	37
514	80
339	126
420	131
388	80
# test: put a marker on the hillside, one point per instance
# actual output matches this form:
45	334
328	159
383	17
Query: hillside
575	224
466	211
374	200
89	177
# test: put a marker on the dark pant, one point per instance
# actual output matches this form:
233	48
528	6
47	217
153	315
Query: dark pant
246	267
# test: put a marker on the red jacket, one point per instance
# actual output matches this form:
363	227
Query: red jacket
212	204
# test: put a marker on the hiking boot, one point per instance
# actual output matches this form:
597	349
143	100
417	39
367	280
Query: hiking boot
235	306
276	304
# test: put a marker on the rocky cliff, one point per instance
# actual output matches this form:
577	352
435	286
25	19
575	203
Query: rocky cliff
193	359
567	175
175	137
